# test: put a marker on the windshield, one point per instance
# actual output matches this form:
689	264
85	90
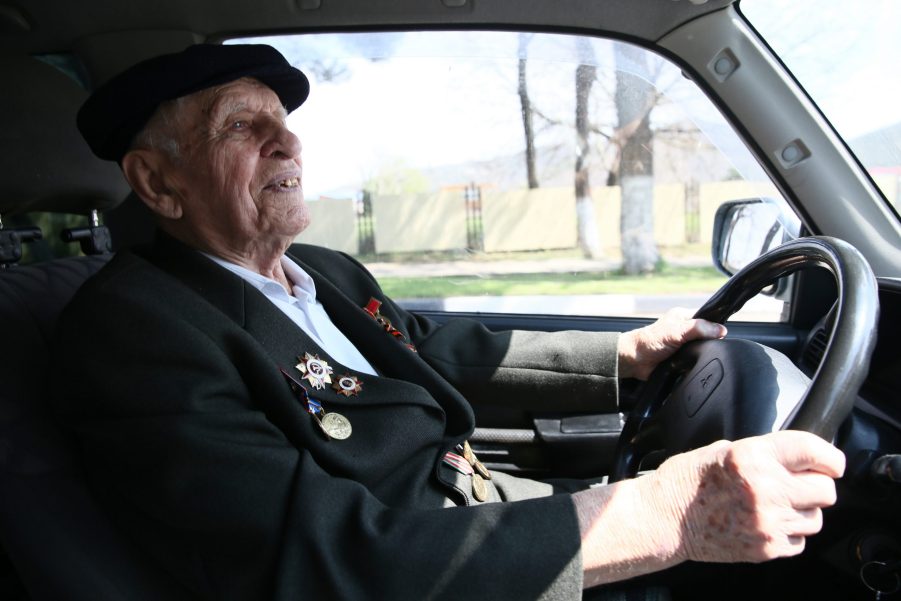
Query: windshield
845	55
436	102
518	172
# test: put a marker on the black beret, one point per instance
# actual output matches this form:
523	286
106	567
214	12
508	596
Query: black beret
119	109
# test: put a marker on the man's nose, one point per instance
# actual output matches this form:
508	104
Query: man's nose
280	141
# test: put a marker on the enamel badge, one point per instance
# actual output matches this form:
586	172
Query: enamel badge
347	385
372	308
316	371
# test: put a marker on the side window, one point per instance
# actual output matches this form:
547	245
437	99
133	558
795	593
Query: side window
518	172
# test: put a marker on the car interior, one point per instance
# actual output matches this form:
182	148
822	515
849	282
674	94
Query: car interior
845	285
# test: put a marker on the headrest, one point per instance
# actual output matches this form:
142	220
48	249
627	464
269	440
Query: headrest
45	165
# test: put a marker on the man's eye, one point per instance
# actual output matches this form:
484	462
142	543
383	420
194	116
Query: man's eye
239	125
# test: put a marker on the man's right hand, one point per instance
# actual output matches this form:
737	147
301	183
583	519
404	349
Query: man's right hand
750	500
745	501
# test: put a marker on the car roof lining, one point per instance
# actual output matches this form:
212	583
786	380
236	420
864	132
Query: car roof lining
59	25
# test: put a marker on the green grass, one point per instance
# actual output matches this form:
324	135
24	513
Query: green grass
671	280
472	256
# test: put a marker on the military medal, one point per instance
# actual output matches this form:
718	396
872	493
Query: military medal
468	455
314	370
347	385
465	464
477	465
333	425
372	308
481	470
479	488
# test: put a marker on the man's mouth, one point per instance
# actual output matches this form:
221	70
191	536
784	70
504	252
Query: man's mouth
287	181
285	184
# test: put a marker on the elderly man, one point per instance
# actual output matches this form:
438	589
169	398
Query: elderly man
266	424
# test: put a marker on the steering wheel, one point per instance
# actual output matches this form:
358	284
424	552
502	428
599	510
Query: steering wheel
732	388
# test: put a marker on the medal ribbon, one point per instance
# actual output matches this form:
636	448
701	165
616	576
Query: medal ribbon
313	406
458	463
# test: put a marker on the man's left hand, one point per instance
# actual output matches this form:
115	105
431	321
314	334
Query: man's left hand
641	350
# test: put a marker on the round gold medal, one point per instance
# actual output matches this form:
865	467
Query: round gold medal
479	488
336	425
481	469
468	455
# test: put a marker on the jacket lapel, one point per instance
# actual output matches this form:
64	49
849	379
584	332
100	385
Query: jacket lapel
389	355
284	341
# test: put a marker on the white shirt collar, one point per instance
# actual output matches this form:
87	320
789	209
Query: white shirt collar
303	309
302	284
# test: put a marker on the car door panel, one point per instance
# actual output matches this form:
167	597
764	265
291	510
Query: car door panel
574	445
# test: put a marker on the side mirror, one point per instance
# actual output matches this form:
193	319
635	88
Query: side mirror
745	229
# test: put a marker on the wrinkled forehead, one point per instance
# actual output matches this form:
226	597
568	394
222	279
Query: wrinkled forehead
245	94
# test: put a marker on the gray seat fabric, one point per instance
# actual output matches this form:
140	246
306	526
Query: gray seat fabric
59	542
61	545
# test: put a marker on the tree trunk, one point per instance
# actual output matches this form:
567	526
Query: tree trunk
635	98
586	73
526	105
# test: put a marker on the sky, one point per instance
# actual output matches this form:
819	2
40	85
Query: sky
844	52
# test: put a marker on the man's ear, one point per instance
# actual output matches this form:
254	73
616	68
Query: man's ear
145	172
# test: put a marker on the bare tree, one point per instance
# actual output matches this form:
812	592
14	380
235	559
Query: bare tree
586	224
328	71
626	148
635	98
526	105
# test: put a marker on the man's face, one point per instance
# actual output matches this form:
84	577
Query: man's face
238	177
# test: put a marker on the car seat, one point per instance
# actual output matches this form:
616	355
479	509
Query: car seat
57	540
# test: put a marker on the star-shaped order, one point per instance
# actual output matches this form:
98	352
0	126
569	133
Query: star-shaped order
315	370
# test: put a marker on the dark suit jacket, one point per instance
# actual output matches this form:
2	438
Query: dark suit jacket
196	445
